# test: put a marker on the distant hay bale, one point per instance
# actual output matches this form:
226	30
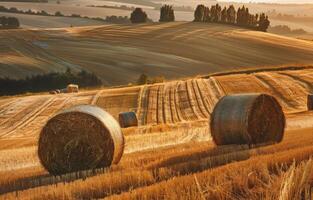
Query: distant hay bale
71	88
58	91
127	119
64	90
82	137
53	92
247	119
310	102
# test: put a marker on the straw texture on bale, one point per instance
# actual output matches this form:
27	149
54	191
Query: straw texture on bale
79	138
128	119
310	102
247	119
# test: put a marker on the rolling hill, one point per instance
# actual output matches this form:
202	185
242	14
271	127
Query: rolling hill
118	54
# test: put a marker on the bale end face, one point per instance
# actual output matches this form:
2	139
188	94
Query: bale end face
247	119
310	102
128	119
80	138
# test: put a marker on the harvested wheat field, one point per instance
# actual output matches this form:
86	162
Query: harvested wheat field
119	54
170	154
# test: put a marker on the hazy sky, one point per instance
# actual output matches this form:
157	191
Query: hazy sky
272	1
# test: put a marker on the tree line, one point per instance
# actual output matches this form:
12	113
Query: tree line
241	17
109	19
166	15
9	22
216	14
47	82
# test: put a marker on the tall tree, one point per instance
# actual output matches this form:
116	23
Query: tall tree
199	13
224	15
207	14
216	13
167	14
231	14
138	16
264	22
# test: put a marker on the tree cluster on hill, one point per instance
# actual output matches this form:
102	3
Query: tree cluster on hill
9	22
46	82
138	16
241	17
167	14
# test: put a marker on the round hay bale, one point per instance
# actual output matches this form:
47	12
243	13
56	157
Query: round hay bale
64	90
72	88
127	119
82	137
58	91
310	102
52	92
247	119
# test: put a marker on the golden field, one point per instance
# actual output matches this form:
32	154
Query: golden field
170	155
118	54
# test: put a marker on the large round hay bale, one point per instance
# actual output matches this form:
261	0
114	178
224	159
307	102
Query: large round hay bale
247	119
82	137
310	102
128	119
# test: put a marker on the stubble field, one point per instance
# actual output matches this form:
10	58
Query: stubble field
170	155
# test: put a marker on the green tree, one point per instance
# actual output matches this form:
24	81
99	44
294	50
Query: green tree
167	14
207	14
199	13
138	16
216	12
264	23
224	15
231	14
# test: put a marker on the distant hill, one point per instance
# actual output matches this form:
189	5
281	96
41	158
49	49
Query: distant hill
37	1
119	54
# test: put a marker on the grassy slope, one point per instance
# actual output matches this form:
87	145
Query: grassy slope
120	53
33	21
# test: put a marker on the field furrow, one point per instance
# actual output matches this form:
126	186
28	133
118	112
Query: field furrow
193	100
32	129
185	106
200	99
215	88
176	111
295	91
152	114
278	90
142	105
303	79
25	116
207	95
161	107
167	102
